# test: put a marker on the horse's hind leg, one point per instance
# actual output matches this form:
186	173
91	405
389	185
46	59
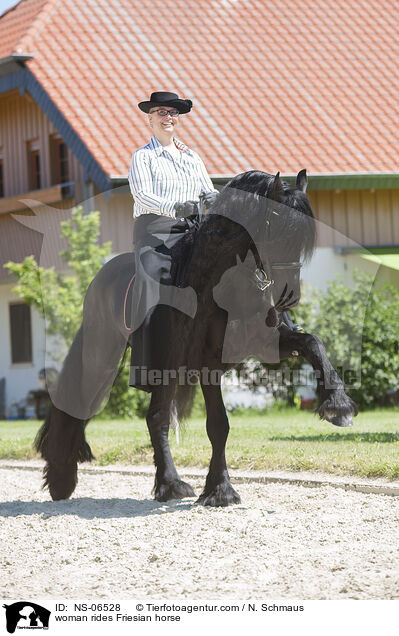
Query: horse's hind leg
61	442
218	490
168	484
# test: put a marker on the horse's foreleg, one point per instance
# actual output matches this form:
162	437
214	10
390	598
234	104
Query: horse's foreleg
61	442
218	490
333	403
168	484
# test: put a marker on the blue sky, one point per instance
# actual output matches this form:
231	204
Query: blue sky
5	4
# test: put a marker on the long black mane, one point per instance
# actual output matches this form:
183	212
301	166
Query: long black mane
252	204
256	199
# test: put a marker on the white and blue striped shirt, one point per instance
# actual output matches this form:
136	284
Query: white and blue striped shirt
159	180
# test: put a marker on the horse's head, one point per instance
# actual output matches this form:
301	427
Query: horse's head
280	226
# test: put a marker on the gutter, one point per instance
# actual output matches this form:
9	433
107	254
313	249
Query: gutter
13	63
15	57
317	181
376	250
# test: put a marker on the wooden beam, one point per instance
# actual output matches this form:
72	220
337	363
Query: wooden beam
44	196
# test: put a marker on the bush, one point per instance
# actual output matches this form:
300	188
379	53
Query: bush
360	330
124	401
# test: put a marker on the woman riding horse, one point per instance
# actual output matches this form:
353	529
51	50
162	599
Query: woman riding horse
165	177
231	277
244	263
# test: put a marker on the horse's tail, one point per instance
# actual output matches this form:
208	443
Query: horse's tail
184	398
61	442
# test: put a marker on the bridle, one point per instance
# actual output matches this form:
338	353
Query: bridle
263	280
264	270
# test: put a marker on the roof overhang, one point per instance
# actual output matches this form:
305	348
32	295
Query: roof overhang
351	181
385	256
13	62
338	181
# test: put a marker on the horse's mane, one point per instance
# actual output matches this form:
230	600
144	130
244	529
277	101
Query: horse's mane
254	198
249	202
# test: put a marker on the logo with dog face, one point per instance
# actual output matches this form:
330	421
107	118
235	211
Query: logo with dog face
26	615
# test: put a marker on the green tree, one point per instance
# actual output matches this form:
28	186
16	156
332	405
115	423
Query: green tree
59	297
124	401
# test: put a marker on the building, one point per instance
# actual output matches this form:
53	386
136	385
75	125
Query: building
310	85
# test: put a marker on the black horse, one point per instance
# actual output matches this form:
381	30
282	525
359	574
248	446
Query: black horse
243	261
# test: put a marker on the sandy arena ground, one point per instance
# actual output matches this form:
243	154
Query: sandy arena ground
111	540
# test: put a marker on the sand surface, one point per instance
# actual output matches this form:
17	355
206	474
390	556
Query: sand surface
112	540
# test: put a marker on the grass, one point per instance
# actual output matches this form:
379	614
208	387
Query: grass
279	440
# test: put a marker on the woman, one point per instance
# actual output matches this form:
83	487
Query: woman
165	177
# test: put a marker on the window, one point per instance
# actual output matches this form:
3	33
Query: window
34	165
21	333
62	153
59	160
1	179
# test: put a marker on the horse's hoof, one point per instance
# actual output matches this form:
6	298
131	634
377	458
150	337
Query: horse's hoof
176	489
345	420
221	496
61	483
338	409
338	419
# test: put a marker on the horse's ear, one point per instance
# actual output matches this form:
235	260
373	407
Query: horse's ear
276	188
301	181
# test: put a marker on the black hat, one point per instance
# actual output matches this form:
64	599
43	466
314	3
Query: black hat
166	99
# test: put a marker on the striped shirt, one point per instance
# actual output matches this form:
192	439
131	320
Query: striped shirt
159	180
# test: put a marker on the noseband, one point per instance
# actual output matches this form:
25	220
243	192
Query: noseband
262	279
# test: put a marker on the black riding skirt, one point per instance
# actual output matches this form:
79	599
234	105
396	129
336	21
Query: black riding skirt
155	241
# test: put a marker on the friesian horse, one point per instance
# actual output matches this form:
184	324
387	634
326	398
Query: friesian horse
242	261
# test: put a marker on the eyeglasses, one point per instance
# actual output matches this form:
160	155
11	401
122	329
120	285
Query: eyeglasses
164	113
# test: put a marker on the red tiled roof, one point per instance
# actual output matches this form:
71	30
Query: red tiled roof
15	23
275	86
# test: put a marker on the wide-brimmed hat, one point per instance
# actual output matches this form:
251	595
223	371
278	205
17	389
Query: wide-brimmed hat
166	99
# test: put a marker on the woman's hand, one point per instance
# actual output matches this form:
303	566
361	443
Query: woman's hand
188	208
208	198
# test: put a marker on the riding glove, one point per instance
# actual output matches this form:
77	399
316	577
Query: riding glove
208	199
188	208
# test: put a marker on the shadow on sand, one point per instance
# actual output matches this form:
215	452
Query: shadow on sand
91	508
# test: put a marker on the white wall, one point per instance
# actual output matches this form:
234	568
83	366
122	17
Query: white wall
20	378
326	264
